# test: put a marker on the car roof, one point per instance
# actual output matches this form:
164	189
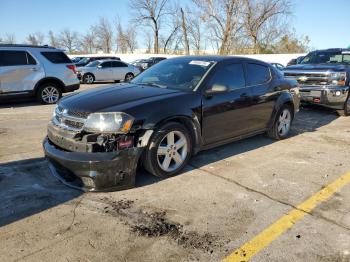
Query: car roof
109	60
219	58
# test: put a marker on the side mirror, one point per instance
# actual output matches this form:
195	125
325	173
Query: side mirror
217	89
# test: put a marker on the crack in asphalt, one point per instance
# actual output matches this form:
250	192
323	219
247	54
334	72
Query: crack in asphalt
270	197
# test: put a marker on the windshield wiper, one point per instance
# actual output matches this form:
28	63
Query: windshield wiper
152	84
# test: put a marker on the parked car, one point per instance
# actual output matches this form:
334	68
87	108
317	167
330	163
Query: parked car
324	78
35	71
295	61
86	60
143	64
76	59
107	70
278	66
164	116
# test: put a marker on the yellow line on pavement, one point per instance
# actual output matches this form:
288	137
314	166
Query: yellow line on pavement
263	239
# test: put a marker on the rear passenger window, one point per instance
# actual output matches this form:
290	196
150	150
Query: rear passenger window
257	74
231	76
119	64
13	58
57	57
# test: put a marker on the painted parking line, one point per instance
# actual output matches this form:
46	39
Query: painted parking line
263	239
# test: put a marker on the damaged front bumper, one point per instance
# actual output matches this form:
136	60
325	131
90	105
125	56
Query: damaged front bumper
328	96
97	171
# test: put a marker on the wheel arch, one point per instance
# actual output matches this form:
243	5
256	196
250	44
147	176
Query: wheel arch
284	99
190	123
45	80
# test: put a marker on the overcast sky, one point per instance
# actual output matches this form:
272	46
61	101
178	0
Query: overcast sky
326	22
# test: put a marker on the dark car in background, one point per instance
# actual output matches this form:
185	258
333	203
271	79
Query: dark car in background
143	64
324	78
295	61
164	116
86	60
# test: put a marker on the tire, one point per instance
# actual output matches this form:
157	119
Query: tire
129	77
48	93
282	123
346	110
160	150
88	79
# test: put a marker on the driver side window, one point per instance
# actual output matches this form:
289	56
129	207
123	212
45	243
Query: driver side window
106	64
231	76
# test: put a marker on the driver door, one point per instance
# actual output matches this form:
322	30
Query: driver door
226	115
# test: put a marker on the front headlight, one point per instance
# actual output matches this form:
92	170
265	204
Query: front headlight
338	79
114	122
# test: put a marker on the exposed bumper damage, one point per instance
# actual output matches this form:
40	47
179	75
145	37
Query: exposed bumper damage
80	162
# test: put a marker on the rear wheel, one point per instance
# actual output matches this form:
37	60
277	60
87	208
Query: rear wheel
88	79
49	93
169	150
346	110
129	77
282	124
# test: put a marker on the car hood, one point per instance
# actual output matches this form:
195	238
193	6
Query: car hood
317	67
116	96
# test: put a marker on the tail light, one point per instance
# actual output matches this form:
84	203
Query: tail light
73	68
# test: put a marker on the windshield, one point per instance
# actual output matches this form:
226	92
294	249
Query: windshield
93	64
181	73
327	58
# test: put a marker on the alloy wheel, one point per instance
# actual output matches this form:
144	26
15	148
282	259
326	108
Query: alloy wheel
172	151
284	122
50	95
89	79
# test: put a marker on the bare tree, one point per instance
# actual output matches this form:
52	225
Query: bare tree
174	28
36	38
223	17
195	33
126	38
184	32
69	40
104	33
261	20
87	43
148	42
9	38
53	41
151	13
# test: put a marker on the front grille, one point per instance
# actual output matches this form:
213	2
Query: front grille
70	119
73	124
78	114
309	78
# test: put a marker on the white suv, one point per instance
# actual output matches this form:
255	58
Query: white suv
38	71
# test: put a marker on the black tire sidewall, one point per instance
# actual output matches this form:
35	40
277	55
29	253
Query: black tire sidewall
274	132
42	87
150	156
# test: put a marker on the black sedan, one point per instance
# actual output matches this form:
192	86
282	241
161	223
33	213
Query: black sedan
164	116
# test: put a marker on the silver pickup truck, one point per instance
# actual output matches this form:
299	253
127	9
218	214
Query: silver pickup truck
324	77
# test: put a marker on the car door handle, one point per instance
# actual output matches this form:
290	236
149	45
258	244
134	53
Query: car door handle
34	69
244	95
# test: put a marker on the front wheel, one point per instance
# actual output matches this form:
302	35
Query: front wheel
129	77
88	79
169	150
346	110
282	124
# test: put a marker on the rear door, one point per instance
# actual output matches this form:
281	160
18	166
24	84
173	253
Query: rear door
19	71
263	95
226	115
119	69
